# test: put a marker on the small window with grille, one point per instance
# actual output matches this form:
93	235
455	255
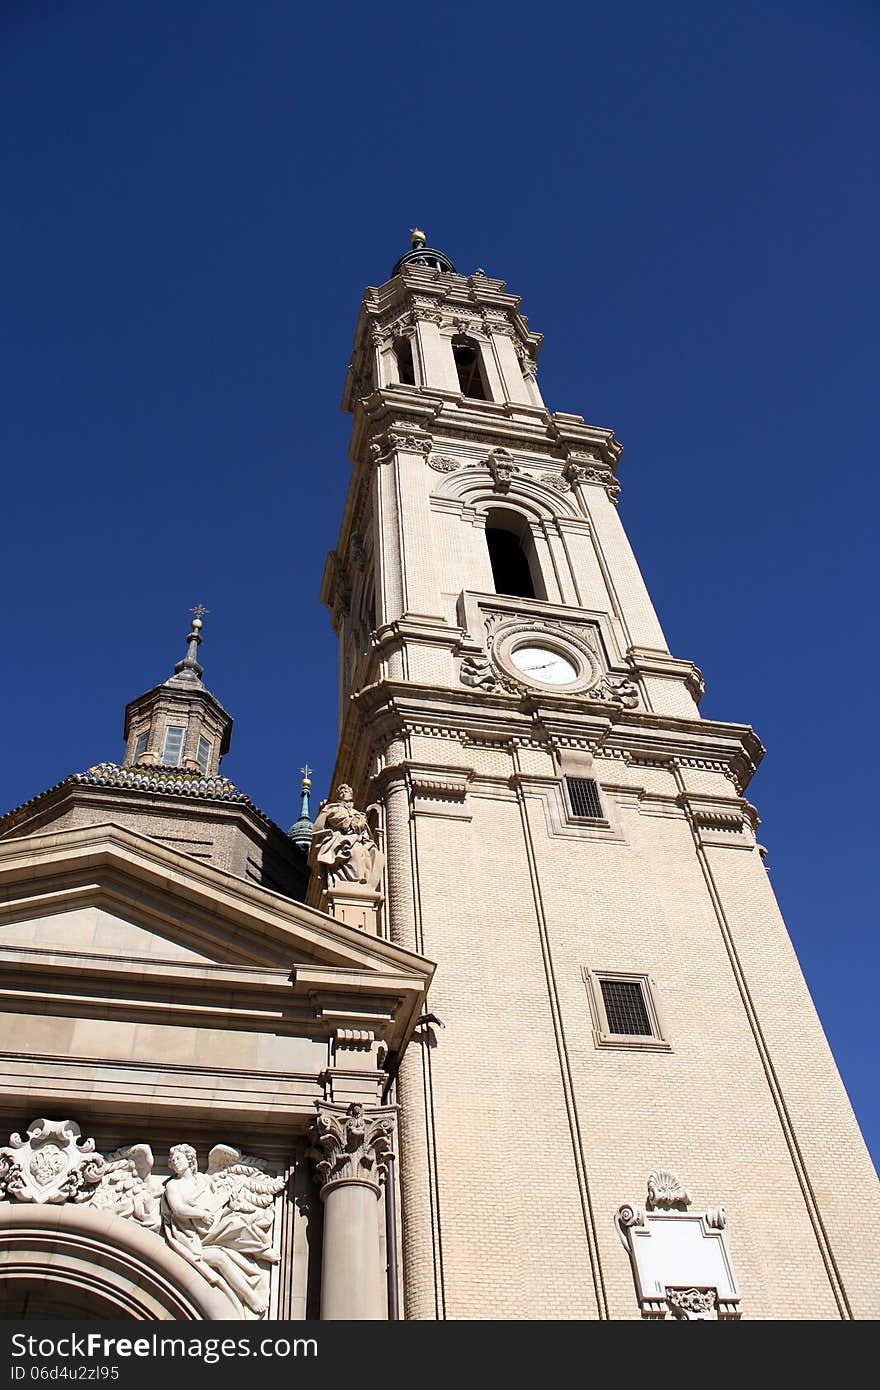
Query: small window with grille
624	1010
583	797
625	1007
140	744
173	745
203	756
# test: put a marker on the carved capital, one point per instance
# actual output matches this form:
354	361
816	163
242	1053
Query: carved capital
350	1145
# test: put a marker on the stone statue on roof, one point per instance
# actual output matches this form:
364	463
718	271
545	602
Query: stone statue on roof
344	849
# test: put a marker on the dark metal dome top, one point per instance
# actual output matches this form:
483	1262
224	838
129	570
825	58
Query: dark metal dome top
423	255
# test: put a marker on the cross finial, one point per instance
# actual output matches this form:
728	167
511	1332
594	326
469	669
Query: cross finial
306	771
200	611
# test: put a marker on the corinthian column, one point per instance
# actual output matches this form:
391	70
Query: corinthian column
350	1143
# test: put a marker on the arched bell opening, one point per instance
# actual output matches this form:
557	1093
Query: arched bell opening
469	366
515	567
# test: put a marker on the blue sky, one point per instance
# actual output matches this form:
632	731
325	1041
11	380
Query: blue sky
195	197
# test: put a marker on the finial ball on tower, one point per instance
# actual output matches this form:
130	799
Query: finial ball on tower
417	238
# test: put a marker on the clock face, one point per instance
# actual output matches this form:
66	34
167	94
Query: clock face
543	665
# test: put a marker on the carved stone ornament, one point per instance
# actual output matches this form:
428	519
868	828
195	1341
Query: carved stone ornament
343	847
385	446
680	1259
50	1165
666	1192
589	468
557	481
693	1305
502	467
350	1146
441	465
219	1221
495	669
622	689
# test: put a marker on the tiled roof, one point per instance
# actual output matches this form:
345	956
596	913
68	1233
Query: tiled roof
164	781
173	781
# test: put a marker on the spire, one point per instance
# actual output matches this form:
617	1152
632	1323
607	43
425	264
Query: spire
301	832
421	254
188	672
179	723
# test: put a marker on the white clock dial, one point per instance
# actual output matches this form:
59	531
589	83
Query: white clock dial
543	665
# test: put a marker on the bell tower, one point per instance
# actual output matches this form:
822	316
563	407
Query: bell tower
624	1018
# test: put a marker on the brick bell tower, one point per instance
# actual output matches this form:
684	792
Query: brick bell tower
631	1109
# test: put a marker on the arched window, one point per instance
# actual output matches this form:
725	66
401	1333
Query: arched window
512	555
469	366
406	372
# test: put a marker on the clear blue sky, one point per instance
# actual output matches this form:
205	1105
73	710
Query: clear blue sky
196	195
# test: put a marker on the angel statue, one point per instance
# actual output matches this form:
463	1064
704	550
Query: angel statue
126	1186
221	1221
343	847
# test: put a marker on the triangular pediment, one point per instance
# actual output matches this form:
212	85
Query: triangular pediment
104	890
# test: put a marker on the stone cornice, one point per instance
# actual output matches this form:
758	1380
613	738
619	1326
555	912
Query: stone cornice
649	662
392	709
520	428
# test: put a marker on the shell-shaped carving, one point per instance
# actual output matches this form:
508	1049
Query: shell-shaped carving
666	1190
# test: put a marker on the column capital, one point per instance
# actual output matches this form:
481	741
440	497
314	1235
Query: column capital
349	1144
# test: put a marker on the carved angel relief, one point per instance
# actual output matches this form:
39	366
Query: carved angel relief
219	1221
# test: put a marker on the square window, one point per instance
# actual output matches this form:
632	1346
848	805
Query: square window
583	797
624	1010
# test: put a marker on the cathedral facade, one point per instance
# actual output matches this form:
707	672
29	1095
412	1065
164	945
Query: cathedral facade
514	1028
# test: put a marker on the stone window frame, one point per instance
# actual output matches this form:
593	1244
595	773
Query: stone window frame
656	1041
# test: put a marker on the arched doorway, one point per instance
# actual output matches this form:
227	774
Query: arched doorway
74	1262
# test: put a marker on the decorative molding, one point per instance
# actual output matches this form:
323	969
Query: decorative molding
693	1305
50	1165
557	481
219	1221
680	1259
502	467
384	446
591	470
493	670
666	1192
350	1145
443	465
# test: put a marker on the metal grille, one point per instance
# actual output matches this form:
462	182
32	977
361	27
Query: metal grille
625	1008
583	796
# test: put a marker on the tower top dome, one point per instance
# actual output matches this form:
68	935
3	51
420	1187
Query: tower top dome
422	254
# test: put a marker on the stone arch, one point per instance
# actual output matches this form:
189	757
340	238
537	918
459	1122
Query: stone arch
78	1262
537	501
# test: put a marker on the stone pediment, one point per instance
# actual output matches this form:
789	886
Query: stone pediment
101	912
195	907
